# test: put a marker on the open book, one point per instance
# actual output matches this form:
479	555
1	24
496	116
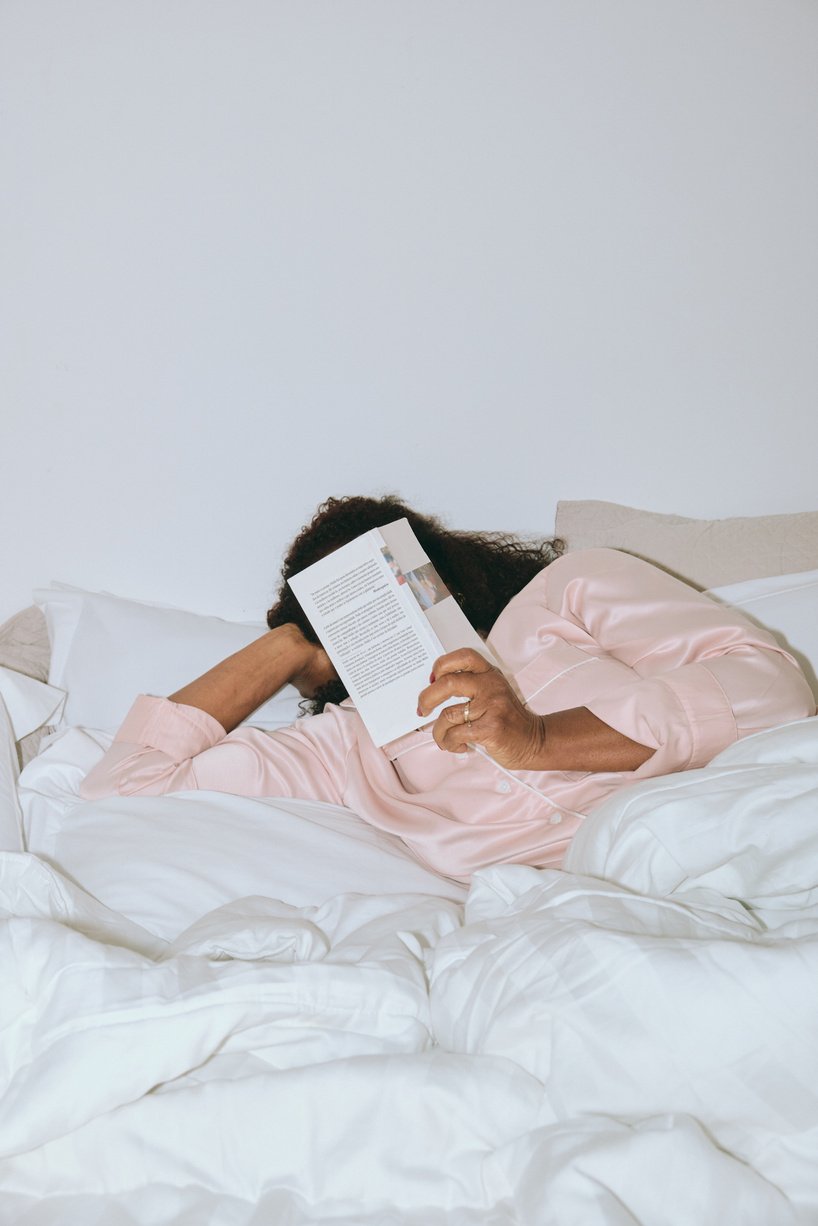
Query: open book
384	615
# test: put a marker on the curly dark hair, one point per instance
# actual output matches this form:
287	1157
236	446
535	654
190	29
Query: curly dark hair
482	570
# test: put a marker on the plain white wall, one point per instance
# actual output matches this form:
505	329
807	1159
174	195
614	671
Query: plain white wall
486	254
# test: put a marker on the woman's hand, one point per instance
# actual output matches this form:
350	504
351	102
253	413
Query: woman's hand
314	667
493	717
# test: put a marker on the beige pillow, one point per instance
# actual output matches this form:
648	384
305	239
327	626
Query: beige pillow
704	552
24	647
24	644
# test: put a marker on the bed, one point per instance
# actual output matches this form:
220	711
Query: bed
221	1010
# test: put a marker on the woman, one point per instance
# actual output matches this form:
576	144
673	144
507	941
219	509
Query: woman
618	672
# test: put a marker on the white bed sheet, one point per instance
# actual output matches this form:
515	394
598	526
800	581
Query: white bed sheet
631	1041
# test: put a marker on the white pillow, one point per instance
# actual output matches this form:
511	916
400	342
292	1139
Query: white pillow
11	819
788	606
29	703
25	705
105	650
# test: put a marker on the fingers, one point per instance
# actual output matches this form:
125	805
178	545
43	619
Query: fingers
460	674
464	660
457	685
453	730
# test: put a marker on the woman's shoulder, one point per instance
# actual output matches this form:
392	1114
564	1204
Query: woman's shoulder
574	582
574	567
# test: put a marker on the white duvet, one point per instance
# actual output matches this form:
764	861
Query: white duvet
633	1040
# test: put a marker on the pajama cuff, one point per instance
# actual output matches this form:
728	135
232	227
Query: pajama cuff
684	716
179	731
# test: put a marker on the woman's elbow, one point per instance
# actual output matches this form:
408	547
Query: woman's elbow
99	784
128	770
791	698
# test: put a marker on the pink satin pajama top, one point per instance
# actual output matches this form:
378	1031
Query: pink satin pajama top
648	655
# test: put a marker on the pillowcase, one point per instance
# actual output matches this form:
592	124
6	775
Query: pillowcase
703	552
105	650
25	705
24	644
11	819
29	703
787	605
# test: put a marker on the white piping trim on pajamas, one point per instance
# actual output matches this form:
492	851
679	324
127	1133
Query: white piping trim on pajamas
569	669
516	778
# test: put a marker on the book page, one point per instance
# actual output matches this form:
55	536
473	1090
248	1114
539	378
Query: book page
377	605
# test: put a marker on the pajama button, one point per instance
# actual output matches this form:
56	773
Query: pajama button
504	786
555	819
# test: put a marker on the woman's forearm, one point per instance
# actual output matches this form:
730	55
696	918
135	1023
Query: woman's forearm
241	683
576	740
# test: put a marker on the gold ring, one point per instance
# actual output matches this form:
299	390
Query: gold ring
467	713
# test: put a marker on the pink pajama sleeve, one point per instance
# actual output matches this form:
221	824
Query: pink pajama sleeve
705	675
164	746
693	676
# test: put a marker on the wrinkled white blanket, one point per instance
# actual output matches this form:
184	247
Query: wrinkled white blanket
631	1041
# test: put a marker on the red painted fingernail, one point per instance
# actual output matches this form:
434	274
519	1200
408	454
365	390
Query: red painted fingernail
419	711
432	677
